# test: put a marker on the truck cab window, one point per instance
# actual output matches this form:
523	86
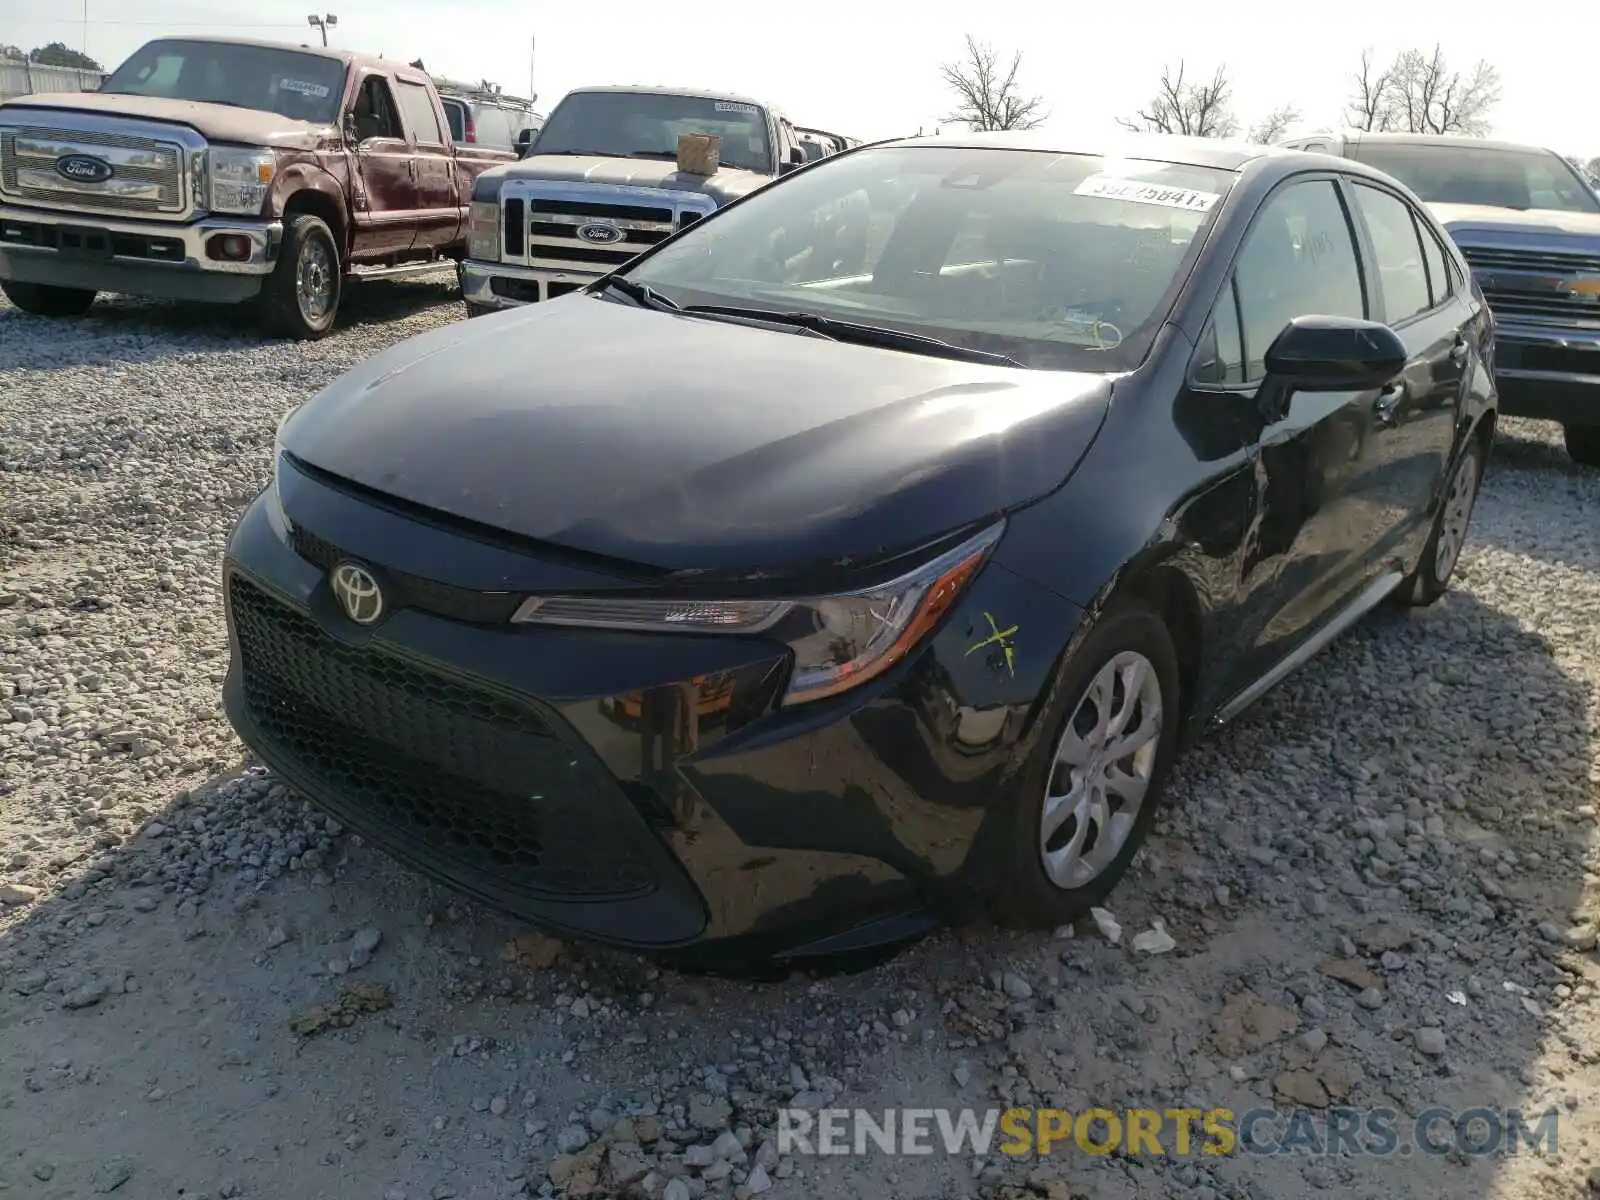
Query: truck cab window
375	112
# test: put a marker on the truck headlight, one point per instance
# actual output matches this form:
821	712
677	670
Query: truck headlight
838	642
483	231
240	178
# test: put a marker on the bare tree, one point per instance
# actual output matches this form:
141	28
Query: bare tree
1419	93
1370	107
1183	107
1591	170
987	94
1274	125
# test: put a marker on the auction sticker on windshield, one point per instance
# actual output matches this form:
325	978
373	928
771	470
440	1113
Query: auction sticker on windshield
1137	191
749	110
316	91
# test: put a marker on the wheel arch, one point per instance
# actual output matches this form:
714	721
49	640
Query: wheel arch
319	196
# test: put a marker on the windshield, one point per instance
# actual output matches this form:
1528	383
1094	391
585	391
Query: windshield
647	125
1061	261
303	87
1450	173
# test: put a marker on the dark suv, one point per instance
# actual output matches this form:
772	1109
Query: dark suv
1529	225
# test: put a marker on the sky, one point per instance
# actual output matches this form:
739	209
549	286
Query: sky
870	68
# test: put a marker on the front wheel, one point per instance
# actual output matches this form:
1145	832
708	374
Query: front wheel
44	300
1443	549
1583	444
1089	793
301	297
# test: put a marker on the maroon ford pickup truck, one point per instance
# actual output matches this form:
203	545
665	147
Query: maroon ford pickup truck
225	170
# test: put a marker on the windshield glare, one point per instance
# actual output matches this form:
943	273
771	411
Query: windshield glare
1061	261
1453	174
303	87
647	125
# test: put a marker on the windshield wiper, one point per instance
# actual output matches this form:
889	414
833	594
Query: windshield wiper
860	334
641	294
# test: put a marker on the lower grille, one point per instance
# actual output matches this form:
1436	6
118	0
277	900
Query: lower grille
475	781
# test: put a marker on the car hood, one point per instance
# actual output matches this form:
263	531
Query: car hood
217	122
725	186
682	444
1464	218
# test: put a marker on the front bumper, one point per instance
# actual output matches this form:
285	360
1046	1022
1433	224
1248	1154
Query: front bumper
634	789
501	285
1548	372
138	258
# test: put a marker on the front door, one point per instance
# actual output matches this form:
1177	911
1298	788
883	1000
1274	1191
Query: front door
1410	445
386	197
1311	528
439	215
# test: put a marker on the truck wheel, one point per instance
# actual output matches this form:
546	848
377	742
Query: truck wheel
478	310
42	300
1583	443
301	297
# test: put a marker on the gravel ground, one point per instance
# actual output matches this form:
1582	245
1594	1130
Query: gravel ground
1381	885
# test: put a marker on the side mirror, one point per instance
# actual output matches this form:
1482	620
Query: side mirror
351	133
1334	354
797	156
786	168
524	140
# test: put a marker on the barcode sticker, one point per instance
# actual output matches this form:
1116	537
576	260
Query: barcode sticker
748	110
316	91
1137	191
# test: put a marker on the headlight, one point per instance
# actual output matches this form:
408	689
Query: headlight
240	179
839	642
483	231
274	500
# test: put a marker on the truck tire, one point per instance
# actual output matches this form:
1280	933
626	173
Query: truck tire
43	300
300	299
1583	443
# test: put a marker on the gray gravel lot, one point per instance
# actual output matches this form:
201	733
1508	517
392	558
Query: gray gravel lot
1382	885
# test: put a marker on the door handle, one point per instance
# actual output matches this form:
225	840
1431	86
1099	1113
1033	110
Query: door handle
1387	406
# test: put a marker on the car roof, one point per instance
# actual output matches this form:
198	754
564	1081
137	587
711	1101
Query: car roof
1365	137
1188	151
347	57
661	90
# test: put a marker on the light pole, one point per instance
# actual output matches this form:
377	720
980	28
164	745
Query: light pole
322	23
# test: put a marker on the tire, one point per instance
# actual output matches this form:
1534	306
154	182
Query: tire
1021	891
1583	444
1442	551
308	246
43	300
478	310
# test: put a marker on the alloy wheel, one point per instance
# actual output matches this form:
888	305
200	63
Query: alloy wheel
1101	772
314	280
1456	516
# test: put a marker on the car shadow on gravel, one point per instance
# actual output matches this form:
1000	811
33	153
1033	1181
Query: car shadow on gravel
130	329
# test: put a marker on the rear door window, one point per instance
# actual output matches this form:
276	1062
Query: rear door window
1398	251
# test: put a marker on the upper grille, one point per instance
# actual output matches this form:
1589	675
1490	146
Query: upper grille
470	779
147	173
1550	285
405	590
541	222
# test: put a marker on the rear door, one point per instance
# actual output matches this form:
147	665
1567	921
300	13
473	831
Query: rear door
1310	529
1409	448
440	213
386	200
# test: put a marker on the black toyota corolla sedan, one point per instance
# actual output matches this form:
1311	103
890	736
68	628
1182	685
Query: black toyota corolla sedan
860	557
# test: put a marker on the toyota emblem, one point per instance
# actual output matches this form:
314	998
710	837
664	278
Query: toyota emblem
600	233
358	593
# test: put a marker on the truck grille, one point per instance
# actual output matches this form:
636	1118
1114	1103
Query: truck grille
542	223
455	776
147	174
1546	285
